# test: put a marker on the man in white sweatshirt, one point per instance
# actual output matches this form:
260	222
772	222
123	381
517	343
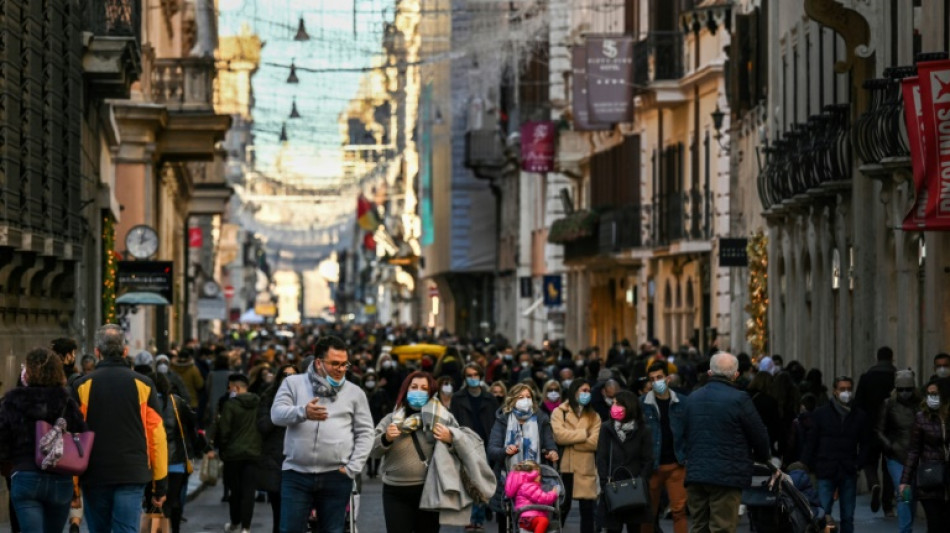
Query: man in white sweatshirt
329	437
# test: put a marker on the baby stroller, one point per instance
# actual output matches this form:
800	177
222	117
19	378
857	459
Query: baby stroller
550	478
780	508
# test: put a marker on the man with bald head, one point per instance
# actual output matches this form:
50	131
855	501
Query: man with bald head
723	435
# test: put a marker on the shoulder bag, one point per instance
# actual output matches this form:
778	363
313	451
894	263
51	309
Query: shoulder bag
73	449
181	431
933	474
626	494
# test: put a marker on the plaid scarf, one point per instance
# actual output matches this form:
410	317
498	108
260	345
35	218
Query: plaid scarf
425	419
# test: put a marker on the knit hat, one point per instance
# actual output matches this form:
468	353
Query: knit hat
143	358
766	365
904	379
161	358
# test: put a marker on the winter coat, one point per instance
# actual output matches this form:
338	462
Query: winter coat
466	415
894	426
578	435
379	404
444	489
235	432
21	408
183	442
651	412
217	387
272	445
191	377
927	443
721	423
875	386
496	448
837	448
767	407
525	488
635	454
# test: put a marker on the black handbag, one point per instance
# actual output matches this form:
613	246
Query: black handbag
625	494
930	474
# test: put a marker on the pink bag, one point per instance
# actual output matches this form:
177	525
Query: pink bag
76	450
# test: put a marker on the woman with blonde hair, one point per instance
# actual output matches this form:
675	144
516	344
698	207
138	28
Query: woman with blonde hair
577	429
551	396
522	432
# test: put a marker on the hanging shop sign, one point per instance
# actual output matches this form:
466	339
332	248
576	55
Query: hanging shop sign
537	146
927	115
579	97
733	252
195	238
214	308
145	282
610	78
553	295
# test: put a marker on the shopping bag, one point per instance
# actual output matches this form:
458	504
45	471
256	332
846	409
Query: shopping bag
155	522
210	470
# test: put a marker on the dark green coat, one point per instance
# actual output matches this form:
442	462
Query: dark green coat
235	433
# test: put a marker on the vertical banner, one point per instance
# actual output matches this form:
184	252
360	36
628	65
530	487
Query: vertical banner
537	146
553	295
610	78
934	80
914	120
195	238
579	97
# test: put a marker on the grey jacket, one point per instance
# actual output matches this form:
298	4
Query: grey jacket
444	490
345	438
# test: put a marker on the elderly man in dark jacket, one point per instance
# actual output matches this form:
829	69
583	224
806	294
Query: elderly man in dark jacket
875	386
837	449
721	425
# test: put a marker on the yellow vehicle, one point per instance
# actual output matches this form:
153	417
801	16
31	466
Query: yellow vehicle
414	352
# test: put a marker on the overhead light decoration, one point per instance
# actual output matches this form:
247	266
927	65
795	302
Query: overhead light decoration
293	110
302	34
292	78
283	133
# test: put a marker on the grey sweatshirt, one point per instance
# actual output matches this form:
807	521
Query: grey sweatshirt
345	438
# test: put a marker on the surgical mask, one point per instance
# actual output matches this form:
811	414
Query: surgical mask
844	397
290	356
583	398
233	394
446	389
660	386
608	401
566	384
387	364
617	412
509	357
370	384
579	363
23	375
473	382
162	367
943	371
524	404
417	398
554	396
933	401
335	383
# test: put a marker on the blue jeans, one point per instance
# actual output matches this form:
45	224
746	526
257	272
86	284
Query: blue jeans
113	508
905	510
41	500
478	514
847	493
328	492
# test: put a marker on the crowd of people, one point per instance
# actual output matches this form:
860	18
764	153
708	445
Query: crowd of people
464	438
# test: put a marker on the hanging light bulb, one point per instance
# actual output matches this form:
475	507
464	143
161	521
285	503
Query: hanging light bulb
283	133
292	78
293	110
302	34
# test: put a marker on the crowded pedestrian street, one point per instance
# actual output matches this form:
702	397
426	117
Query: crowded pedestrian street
515	266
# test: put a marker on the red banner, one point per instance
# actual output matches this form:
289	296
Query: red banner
195	238
537	146
913	118
932	208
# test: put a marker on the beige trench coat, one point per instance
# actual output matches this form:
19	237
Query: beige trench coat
578	435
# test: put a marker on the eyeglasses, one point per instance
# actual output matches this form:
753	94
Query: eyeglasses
337	364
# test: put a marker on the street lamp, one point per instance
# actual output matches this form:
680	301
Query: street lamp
717	116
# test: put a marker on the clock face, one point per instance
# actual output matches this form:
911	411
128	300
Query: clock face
211	288
141	242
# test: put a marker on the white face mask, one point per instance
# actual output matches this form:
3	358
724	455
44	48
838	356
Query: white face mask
524	404
943	371
370	384
446	389
387	364
933	401
844	397
162	367
554	396
608	401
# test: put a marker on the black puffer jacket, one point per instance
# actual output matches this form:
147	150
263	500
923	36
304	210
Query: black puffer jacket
894	426
19	411
837	446
635	454
927	443
184	439
723	433
272	445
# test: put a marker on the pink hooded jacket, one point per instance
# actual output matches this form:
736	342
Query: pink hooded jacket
524	488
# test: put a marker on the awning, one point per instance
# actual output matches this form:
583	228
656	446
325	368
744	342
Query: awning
142	298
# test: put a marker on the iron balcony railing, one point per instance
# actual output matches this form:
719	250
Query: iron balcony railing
620	230
658	57
114	18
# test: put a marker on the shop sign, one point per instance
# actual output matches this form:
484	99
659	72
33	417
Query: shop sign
553	295
610	78
927	115
146	276
579	97
733	252
212	309
537	146
195	238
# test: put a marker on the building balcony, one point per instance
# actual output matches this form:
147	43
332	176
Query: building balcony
658	58
485	152
880	133
620	229
112	46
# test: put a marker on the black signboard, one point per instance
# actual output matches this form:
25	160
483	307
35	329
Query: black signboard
146	276
733	252
527	288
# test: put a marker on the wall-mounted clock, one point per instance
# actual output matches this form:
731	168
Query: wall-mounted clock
141	241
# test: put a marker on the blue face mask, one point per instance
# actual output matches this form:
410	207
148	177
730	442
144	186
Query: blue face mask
473	382
583	398
335	383
660	386
417	398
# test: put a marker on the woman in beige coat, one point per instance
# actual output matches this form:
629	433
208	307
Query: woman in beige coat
576	428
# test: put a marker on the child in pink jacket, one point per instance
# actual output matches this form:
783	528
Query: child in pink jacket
524	486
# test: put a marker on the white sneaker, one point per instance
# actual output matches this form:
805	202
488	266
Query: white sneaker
245	531
228	528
